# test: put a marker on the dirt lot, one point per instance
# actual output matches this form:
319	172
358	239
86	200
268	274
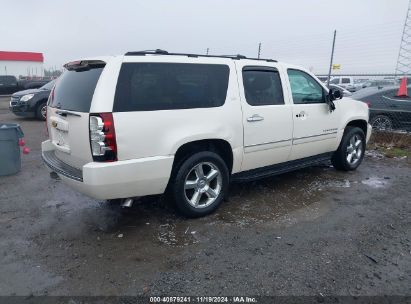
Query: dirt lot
314	231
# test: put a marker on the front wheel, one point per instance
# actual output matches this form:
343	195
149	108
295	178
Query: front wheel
200	184
351	151
41	112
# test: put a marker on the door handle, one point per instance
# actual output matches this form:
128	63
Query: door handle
255	117
301	114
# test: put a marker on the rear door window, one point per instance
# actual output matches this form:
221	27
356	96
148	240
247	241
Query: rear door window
345	80
167	86
75	88
262	86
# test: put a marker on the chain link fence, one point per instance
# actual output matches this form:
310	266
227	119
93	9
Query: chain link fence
390	108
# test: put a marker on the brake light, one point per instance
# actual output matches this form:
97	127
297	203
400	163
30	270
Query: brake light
49	103
103	137
368	103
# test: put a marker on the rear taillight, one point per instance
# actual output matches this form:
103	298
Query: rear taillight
368	103
103	137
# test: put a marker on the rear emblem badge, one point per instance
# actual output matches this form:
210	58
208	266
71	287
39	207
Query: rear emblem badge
54	124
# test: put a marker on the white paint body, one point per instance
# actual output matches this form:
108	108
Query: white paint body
148	140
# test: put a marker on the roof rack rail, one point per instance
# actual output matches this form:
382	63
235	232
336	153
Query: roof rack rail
163	52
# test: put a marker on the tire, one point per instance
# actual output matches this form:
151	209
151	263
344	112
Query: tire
39	111
381	122
352	143
194	194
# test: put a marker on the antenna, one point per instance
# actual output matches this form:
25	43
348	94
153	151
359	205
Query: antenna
404	55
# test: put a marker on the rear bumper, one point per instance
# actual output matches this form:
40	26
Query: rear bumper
111	180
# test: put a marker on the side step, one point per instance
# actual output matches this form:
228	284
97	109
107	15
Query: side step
267	171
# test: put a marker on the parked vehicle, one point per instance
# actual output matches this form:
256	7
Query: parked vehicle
32	84
146	122
379	83
387	111
344	92
8	85
346	82
323	78
31	103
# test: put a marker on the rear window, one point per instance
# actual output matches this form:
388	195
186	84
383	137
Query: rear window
75	88
166	86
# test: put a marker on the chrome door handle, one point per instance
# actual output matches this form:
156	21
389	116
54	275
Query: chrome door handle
255	117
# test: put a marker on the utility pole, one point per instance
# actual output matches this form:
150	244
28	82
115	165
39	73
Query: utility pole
259	50
331	61
404	55
207	51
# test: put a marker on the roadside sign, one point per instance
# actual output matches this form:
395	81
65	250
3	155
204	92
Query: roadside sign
336	66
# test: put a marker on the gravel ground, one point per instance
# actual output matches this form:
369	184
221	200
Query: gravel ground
311	232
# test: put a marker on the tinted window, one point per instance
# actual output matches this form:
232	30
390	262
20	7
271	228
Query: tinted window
165	86
304	88
262	87
345	80
8	80
75	88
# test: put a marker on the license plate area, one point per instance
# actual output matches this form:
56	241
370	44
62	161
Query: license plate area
60	134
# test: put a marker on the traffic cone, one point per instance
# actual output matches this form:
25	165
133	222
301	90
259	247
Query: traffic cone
402	91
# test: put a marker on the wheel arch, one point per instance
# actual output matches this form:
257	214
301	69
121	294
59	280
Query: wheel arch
220	146
360	123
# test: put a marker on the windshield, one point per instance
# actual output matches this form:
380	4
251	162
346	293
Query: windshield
48	86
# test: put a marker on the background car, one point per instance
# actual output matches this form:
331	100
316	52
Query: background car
343	91
387	111
379	83
346	82
8	85
31	103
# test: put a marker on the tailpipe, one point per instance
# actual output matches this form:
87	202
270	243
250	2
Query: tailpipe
127	203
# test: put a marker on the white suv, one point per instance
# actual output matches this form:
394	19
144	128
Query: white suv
146	122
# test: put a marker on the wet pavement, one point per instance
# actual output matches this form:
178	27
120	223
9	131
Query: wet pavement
309	232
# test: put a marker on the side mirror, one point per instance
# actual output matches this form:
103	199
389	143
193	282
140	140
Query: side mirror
335	94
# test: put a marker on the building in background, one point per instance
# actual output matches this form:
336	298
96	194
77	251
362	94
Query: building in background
22	64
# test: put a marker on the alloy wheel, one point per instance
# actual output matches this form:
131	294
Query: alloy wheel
202	185
354	149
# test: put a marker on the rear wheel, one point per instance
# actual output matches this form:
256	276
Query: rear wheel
41	111
351	151
200	184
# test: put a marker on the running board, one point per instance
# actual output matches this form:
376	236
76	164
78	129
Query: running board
267	171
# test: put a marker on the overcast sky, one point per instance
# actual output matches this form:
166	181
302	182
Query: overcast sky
296	31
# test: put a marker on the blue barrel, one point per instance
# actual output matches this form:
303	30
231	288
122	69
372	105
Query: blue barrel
10	160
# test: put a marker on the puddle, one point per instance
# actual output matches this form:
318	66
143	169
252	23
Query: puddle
375	182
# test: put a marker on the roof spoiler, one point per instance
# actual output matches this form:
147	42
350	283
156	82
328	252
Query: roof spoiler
83	65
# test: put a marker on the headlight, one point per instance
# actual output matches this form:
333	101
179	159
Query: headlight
27	97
